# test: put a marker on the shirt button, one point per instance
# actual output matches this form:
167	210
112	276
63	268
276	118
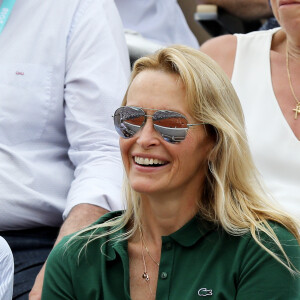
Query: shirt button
163	275
168	246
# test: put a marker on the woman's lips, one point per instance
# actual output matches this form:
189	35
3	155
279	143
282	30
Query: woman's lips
287	2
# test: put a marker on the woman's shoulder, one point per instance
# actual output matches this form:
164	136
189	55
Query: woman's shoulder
222	50
220	46
287	241
225	45
284	236
281	231
263	275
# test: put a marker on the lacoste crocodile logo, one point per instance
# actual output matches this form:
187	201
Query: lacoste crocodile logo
205	292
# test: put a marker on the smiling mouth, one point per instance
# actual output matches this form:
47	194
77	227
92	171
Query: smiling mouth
149	162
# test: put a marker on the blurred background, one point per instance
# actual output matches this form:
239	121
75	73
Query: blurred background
189	8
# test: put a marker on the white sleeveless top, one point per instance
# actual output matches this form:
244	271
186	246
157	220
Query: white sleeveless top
275	148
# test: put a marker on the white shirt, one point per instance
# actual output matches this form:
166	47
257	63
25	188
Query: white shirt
64	69
161	21
275	148
6	271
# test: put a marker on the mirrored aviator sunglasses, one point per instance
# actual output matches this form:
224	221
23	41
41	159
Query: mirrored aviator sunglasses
171	125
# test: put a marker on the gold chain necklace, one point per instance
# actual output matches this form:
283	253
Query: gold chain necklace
145	275
143	241
297	109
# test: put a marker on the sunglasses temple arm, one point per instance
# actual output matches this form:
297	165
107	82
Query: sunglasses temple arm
191	125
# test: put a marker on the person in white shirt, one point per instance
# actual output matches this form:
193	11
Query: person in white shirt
6	271
64	69
160	21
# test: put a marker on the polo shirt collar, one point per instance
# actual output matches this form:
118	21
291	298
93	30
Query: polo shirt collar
116	246
186	236
191	232
113	244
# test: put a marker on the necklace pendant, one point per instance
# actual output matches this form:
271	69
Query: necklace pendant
145	276
297	111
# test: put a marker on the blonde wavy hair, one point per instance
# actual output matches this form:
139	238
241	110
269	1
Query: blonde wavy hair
233	196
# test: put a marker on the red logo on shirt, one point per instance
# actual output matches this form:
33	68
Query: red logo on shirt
19	73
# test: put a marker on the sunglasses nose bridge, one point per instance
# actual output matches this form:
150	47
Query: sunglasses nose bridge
148	134
148	122
146	116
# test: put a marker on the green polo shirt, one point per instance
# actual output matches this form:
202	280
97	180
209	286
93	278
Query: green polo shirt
197	261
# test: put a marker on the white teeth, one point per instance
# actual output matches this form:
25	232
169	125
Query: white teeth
148	161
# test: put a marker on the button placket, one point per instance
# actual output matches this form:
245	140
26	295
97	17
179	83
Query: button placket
165	269
168	246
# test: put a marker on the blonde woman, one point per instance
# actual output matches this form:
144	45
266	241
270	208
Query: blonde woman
198	223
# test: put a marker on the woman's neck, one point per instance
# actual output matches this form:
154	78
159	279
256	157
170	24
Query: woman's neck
293	50
165	215
281	41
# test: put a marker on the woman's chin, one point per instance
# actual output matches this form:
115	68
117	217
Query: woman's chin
144	188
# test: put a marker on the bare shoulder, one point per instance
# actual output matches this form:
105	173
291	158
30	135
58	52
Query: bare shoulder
222	49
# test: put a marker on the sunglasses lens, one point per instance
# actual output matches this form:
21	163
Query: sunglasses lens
128	121
170	119
171	125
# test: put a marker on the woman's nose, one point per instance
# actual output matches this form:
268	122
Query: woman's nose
148	136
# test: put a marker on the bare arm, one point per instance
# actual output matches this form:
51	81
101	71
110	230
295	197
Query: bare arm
80	216
222	49
245	9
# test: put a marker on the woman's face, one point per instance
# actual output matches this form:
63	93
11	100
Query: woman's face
287	12
180	167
